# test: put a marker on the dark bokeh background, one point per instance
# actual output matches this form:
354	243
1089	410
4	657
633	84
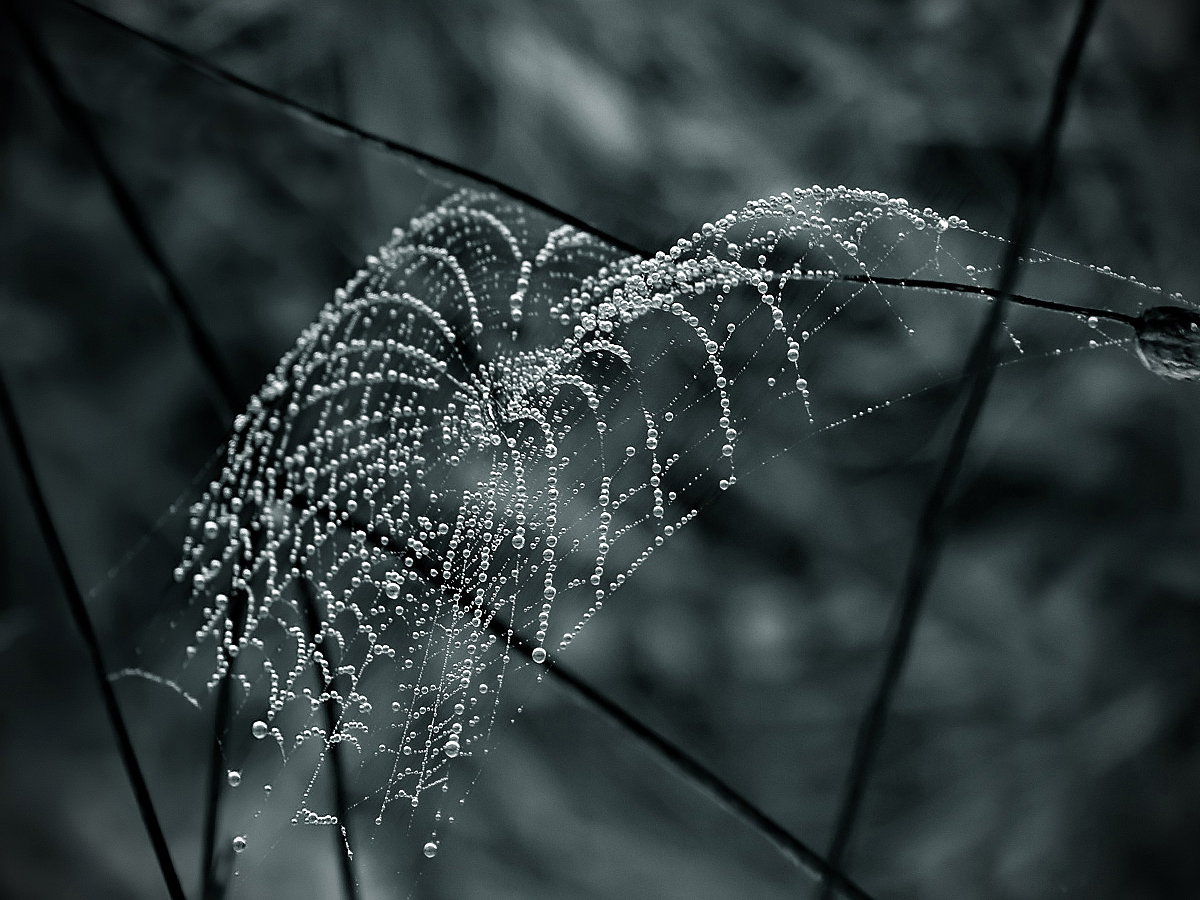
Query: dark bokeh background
1045	738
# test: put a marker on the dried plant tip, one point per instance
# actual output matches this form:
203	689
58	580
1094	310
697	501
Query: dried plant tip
1168	342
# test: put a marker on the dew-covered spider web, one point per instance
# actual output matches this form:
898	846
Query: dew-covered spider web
496	423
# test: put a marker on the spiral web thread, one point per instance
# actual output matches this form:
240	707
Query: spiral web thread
498	420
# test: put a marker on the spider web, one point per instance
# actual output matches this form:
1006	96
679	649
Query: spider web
493	426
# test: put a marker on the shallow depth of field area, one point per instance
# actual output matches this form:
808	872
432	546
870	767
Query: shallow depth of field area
1044	738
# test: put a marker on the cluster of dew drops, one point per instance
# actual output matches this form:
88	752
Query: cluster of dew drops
469	436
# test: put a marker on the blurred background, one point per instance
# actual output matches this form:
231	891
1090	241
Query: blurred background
1045	738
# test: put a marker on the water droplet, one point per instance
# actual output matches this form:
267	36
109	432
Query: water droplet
431	849
234	777
452	748
1168	342
210	530
259	729
239	843
538	655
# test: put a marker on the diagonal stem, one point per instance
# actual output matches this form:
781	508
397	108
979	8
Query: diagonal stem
210	887
341	799
62	566
978	368
346	129
672	756
930	284
676	759
978	374
331	123
225	399
76	119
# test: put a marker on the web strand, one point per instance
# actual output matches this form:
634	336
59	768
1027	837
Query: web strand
493	388
674	757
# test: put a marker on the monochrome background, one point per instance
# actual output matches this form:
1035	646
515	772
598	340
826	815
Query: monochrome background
1046	738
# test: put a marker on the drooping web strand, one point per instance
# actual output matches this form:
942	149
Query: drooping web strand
500	419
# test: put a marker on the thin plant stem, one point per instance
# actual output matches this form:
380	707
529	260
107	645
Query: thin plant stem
337	759
346	129
930	533
78	123
683	764
956	287
83	622
224	398
210	887
978	373
670	754
330	123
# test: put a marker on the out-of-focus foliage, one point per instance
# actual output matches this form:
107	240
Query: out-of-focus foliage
1046	735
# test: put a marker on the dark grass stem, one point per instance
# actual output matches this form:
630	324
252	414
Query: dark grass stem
78	123
224	398
337	759
671	755
83	622
211	886
346	129
930	532
682	763
978	374
337	126
955	287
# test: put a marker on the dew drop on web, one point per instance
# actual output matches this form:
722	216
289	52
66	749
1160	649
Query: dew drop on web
239	843
234	777
499	470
